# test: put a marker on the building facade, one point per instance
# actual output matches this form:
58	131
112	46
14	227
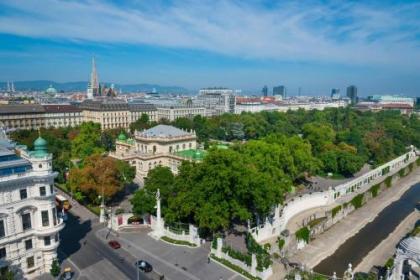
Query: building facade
173	112
35	116
217	101
162	145
279	91
352	94
114	113
29	225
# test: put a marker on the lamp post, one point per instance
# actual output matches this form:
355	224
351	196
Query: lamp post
102	207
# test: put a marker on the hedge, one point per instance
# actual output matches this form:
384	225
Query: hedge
336	210
388	181
178	242
235	268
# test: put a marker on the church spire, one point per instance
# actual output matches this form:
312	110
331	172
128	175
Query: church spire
93	87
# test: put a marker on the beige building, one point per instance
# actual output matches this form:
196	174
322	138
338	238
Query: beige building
62	115
22	116
173	112
114	113
161	145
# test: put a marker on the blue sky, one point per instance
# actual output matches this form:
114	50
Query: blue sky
316	45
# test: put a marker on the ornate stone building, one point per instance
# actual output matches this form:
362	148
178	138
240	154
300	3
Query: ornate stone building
29	224
161	145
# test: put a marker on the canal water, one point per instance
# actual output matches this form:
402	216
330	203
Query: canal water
358	246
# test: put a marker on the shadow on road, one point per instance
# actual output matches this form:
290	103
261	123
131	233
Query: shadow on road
73	235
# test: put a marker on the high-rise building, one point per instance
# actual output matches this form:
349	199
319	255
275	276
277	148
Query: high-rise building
265	91
352	94
93	87
29	224
335	93
279	91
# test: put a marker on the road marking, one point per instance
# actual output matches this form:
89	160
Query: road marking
72	263
233	276
191	276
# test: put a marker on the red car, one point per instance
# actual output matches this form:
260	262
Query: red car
114	244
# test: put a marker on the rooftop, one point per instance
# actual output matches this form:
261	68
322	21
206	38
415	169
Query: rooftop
164	131
192	154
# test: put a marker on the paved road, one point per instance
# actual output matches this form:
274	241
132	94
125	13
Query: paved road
90	257
174	262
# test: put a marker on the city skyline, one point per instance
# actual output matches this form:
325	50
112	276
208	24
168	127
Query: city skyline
316	46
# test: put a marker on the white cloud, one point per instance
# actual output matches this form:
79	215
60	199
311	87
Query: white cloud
297	30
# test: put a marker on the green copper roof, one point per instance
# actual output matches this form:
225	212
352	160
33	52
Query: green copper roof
122	137
192	154
40	147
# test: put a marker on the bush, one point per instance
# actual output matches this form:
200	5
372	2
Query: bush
389	263
263	257
388	181
418	162
357	201
280	243
336	210
374	190
303	234
245	258
267	247
411	166
119	211
401	172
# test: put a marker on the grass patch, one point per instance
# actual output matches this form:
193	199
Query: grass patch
95	209
235	268
177	242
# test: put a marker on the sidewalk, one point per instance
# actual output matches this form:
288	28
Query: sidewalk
174	262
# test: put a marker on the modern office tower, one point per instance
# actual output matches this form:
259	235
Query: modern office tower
29	224
352	94
265	91
279	91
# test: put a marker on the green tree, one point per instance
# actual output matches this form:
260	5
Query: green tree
141	123
55	268
126	171
88	141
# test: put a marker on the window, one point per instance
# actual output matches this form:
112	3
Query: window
51	189
23	194
40	166
42	191
54	215
26	221
2	231
56	237
44	218
47	240
30	262
2	253
28	244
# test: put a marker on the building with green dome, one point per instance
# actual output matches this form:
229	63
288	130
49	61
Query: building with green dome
51	91
162	145
30	219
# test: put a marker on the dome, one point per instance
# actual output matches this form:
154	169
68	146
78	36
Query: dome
51	90
122	137
40	147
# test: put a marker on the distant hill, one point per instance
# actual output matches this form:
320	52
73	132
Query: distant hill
40	85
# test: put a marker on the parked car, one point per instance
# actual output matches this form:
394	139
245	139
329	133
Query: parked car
144	266
67	274
114	244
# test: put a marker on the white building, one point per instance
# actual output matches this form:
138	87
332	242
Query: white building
29	224
162	145
173	112
217	100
